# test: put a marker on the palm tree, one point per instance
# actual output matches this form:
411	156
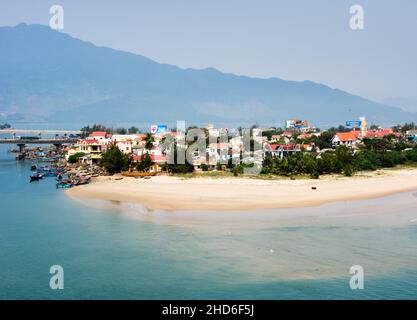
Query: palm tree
149	140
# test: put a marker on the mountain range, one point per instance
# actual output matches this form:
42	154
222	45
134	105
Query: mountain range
46	75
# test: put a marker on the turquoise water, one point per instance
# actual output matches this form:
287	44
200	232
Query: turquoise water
112	251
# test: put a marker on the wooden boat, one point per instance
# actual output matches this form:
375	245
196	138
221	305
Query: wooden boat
138	174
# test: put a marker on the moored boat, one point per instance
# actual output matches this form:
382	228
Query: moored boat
36	177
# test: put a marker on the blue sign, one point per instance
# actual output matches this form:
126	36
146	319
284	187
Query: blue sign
353	124
158	129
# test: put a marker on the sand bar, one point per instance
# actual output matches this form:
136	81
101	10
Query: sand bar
213	194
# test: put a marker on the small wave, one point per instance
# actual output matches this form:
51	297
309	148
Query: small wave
133	207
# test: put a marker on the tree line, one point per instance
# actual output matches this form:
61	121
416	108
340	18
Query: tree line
87	130
340	161
5	126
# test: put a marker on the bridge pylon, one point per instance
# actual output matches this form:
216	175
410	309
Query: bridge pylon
22	147
58	146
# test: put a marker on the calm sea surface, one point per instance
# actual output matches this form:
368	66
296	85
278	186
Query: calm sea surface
120	251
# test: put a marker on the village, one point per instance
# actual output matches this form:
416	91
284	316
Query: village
225	150
295	150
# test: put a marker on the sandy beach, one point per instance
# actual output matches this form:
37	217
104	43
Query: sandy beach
213	194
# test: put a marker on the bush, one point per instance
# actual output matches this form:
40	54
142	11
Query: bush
180	168
348	170
411	155
74	158
204	167
328	163
218	166
366	160
315	175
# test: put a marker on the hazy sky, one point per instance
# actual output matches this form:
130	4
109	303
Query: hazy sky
295	40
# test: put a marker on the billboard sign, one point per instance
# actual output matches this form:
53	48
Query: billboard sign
353	124
296	124
159	128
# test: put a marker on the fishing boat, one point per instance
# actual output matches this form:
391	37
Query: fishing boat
50	172
63	185
20	156
36	177
81	180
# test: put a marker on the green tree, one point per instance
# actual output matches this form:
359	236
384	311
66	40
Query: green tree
115	160
149	140
145	163
133	130
324	140
87	130
344	160
74	158
121	131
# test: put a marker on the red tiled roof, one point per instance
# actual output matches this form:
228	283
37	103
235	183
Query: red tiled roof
274	146
98	134
285	146
88	141
347	136
379	133
289	147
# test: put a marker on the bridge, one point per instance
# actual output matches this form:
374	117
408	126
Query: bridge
21	142
38	132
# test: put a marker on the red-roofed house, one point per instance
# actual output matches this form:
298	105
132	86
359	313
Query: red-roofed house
125	146
280	150
97	134
275	137
379	133
100	136
348	139
91	147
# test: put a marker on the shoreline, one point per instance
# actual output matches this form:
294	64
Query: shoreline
168	193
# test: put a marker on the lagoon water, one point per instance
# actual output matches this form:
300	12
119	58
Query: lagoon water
120	251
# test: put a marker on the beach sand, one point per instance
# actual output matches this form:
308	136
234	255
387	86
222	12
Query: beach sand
229	193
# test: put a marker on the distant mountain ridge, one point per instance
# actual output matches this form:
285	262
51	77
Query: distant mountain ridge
49	75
